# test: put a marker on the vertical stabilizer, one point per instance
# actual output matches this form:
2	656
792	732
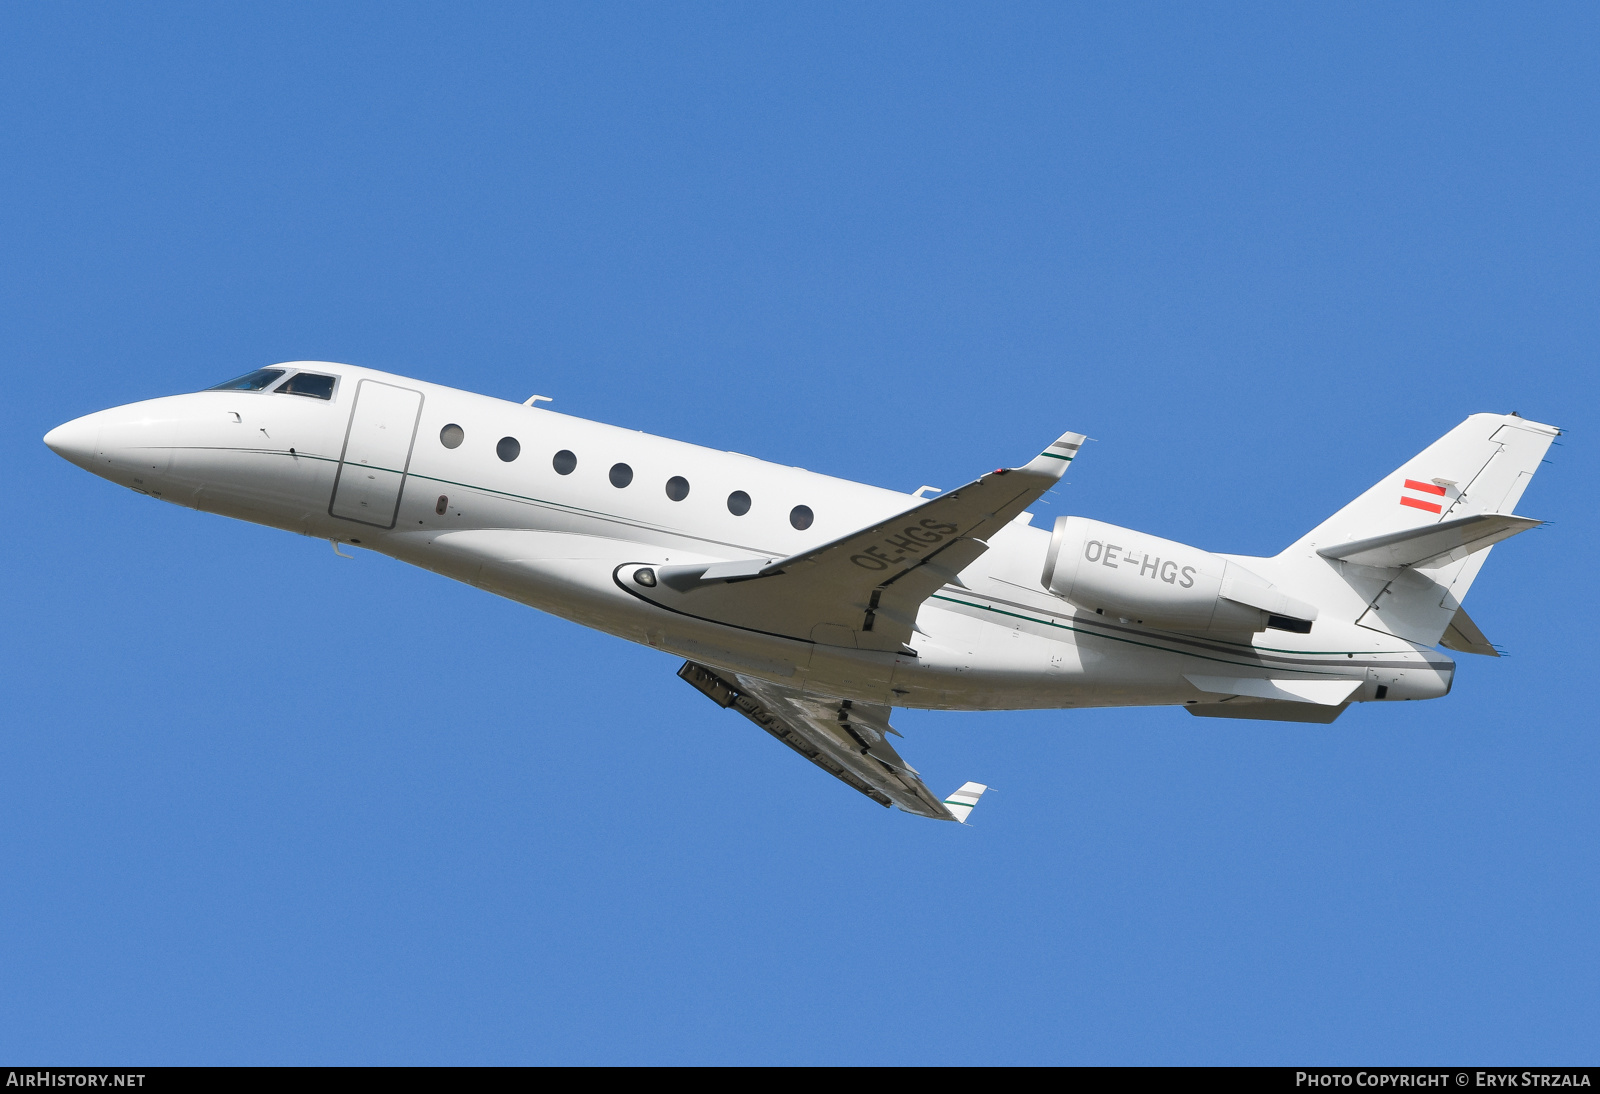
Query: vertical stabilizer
1479	469
1481	466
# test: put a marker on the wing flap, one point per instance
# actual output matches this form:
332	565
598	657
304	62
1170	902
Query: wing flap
724	694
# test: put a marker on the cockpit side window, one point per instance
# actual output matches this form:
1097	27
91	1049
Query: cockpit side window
310	384
253	381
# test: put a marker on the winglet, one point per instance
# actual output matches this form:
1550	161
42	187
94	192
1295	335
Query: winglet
961	802
1053	461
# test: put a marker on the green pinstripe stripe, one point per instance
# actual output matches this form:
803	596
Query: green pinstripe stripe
1129	641
1251	647
936	596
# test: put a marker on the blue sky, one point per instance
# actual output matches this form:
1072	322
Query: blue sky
266	806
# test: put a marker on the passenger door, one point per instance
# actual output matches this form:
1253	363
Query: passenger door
377	454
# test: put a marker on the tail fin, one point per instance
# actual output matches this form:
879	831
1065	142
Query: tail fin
1382	544
962	801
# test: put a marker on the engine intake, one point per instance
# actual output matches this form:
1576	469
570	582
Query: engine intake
1143	579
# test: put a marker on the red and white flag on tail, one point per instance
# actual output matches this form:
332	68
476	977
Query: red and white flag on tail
1431	498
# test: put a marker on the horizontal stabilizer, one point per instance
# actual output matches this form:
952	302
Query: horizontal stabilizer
1463	636
1432	544
962	801
1267	710
1326	693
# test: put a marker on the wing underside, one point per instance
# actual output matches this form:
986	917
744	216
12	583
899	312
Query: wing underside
847	740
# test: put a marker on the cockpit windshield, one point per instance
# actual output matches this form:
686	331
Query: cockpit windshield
254	381
311	384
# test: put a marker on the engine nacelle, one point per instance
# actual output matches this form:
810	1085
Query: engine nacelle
1132	576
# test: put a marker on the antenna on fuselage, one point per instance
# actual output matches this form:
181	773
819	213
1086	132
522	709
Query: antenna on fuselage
530	400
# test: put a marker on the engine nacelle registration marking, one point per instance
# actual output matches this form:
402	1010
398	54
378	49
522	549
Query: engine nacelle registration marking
1153	568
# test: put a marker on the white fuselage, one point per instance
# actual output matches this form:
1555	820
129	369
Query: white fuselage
554	541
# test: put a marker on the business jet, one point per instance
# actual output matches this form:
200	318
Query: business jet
813	605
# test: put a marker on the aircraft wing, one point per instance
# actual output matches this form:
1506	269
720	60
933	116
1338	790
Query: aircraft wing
862	590
847	740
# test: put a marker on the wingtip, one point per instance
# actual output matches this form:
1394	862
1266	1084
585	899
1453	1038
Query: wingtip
1062	451
963	801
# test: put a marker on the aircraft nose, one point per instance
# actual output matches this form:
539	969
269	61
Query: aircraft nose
74	441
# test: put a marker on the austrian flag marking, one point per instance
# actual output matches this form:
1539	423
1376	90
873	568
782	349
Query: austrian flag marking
1423	488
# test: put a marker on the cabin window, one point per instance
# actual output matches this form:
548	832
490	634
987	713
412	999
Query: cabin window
621	475
738	503
508	449
252	381
564	463
801	517
452	435
310	384
677	488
